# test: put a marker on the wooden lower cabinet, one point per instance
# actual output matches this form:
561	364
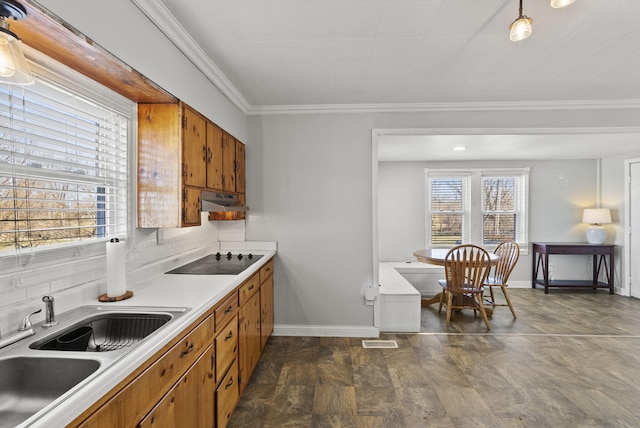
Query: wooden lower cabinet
190	402
250	344
266	311
227	396
196	381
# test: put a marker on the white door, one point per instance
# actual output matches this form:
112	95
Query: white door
633	228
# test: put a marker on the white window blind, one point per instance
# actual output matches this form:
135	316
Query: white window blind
448	209
63	167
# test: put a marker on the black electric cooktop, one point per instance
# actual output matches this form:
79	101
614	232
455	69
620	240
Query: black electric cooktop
218	264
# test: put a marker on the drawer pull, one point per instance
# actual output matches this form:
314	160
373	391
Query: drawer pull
229	383
228	310
188	351
252	287
229	336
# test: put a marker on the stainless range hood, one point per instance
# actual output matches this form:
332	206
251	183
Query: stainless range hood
221	202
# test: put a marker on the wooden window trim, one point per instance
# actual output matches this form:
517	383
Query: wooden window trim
50	35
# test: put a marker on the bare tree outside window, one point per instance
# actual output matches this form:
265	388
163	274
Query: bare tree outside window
499	209
63	167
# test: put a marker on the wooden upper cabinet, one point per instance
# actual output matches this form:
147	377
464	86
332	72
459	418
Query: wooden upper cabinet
191	206
160	165
214	157
181	153
194	148
228	163
240	168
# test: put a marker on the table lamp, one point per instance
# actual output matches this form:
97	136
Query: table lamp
596	217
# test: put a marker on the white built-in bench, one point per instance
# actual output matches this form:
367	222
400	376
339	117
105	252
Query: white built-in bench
399	299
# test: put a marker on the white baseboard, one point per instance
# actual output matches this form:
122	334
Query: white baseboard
325	331
520	284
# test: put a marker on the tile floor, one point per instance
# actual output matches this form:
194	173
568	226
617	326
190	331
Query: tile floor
571	359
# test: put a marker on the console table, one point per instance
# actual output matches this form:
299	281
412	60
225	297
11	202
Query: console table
600	253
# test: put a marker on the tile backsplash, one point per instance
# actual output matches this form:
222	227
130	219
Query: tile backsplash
82	278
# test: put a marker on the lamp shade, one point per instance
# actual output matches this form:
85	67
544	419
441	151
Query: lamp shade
13	66
596	216
520	29
557	4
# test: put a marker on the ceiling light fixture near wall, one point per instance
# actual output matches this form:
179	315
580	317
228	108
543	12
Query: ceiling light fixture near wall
520	29
557	4
13	66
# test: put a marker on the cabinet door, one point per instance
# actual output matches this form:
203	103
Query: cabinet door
190	402
227	395
250	341
228	163
214	157
191	206
240	168
266	311
194	148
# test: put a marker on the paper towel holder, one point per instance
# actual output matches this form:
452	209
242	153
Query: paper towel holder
125	296
105	297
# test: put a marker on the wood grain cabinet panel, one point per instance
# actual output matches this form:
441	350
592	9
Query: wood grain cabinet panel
248	289
266	311
194	148
214	157
227	396
250	342
240	168
226	343
226	310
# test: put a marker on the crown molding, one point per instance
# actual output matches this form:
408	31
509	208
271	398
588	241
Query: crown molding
443	107
164	20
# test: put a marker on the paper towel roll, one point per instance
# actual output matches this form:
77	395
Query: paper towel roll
116	278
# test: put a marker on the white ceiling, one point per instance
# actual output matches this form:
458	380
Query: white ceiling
266	54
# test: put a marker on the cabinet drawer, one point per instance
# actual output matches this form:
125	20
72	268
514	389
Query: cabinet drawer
227	310
266	271
248	289
227	396
226	347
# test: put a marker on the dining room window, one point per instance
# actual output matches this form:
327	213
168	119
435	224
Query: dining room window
63	160
478	206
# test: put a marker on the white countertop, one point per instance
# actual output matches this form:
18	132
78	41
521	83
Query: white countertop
198	292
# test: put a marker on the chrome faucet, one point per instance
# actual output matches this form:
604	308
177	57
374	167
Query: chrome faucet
50	315
25	329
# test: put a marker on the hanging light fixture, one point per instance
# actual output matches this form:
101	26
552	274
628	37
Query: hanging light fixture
13	66
520	29
557	4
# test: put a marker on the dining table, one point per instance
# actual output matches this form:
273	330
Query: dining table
436	256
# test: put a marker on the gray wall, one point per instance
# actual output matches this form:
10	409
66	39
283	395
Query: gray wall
310	188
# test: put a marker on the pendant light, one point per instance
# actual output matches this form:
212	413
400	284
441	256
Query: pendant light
13	66
557	4
520	29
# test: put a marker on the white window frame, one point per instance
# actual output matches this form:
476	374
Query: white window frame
473	206
75	83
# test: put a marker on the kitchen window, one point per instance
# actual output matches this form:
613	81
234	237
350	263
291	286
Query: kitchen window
484	207
63	160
